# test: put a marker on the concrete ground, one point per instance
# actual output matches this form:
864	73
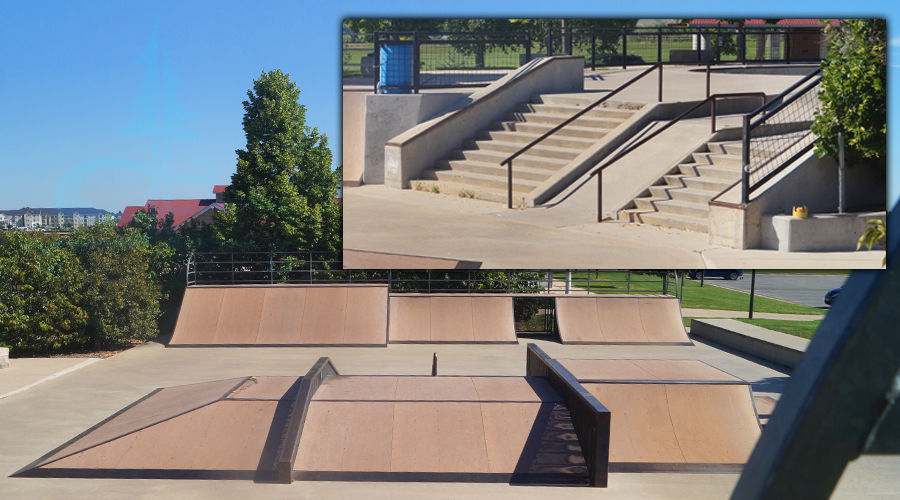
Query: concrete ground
24	373
39	419
563	233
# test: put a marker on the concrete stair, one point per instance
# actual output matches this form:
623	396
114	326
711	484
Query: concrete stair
680	199
474	170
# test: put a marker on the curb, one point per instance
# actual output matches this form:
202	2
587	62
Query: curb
776	347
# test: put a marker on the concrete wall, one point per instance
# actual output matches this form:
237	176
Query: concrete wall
415	150
4	357
352	135
811	182
816	233
389	115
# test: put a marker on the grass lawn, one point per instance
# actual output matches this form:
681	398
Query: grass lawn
692	295
713	297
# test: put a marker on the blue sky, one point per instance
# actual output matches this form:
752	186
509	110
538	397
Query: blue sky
77	119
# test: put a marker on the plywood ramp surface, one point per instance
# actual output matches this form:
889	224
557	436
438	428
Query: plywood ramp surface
659	424
273	315
470	318
601	319
228	426
426	388
645	370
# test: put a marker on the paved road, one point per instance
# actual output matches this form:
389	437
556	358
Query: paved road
804	289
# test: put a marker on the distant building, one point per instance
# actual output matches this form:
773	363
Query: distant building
52	217
183	211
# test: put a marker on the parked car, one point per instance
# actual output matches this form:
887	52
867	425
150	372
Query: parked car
832	295
616	59
728	274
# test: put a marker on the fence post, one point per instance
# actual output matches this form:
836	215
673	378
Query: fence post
660	81
787	47
628	286
415	62
376	62
699	45
593	49
624	47
568	281
745	162
527	47
271	270
549	41
659	44
742	44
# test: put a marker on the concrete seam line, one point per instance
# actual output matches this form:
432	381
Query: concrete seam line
51	377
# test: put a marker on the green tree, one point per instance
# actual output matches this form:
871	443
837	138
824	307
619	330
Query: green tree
854	92
282	195
39	294
119	291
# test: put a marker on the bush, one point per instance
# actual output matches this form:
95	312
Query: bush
40	293
119	291
854	92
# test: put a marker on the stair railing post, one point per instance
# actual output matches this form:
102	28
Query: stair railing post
660	80
549	41
376	63
527	47
509	185
712	112
707	80
600	196
745	162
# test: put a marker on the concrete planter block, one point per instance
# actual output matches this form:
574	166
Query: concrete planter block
816	233
4	357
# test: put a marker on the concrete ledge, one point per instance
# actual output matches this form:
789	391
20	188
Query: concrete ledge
4	357
816	233
777	347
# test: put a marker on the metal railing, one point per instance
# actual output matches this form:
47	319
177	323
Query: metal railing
659	66
603	47
235	268
417	60
778	138
711	100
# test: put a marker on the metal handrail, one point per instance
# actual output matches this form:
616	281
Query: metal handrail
749	126
711	100
659	65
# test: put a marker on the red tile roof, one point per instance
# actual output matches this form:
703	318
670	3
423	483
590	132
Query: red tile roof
219	189
751	22
182	210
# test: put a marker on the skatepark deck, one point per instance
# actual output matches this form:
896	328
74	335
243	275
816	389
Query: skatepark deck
420	428
213	430
620	320
451	318
672	415
282	315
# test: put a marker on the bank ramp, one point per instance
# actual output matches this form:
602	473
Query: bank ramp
672	415
282	315
451	318
620	319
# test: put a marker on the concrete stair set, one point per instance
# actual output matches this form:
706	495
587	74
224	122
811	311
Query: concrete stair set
475	170
680	199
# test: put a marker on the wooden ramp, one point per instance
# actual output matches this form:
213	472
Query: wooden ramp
414	428
672	415
622	320
282	315
451	318
228	429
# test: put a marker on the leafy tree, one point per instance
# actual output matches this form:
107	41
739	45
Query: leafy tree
39	294
119	291
282	195
875	233
854	92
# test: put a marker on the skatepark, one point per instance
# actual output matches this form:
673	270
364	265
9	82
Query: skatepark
654	412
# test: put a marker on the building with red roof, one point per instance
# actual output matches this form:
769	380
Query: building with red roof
183	211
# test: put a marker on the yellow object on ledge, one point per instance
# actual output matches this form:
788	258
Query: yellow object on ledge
801	212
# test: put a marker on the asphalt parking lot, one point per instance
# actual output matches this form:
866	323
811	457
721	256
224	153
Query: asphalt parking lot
804	289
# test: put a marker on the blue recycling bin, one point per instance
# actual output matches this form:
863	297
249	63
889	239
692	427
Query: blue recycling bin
396	68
